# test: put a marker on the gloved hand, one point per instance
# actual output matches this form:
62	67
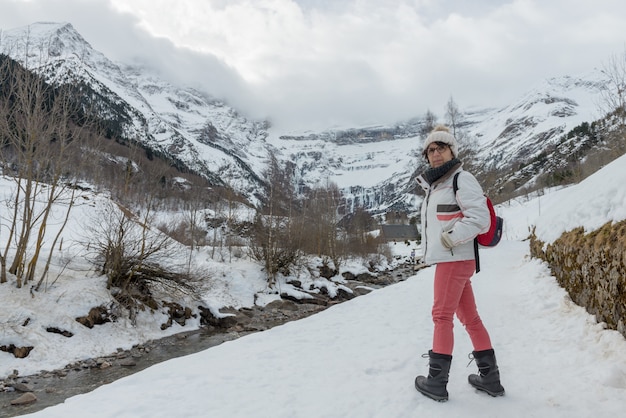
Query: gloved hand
446	239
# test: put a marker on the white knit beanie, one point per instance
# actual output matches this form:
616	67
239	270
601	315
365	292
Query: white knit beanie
441	134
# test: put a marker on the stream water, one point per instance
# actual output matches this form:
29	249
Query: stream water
53	388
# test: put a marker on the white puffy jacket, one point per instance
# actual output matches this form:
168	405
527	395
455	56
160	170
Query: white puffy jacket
465	214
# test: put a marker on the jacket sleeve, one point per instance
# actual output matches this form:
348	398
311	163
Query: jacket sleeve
473	204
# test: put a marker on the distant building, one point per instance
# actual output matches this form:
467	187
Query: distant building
396	217
399	233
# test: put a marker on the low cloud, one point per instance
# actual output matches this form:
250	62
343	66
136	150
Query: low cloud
307	64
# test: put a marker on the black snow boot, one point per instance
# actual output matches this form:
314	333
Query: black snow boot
434	386
488	379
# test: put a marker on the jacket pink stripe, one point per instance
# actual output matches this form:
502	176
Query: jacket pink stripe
448	217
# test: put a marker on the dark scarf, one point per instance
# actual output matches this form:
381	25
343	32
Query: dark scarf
433	174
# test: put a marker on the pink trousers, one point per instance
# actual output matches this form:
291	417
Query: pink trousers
453	294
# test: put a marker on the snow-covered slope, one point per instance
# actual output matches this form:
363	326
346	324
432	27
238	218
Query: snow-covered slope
524	129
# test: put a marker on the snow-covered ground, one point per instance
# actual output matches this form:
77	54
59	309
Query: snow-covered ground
359	358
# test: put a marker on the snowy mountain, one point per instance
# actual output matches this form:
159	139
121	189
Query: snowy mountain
372	165
523	129
203	134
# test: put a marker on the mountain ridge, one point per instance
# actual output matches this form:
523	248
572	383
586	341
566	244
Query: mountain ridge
373	166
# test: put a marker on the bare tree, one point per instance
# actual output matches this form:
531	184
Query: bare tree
453	117
430	120
275	238
229	195
614	96
320	223
40	128
358	228
193	212
131	254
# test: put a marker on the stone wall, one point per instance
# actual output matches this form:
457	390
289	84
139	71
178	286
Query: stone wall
592	269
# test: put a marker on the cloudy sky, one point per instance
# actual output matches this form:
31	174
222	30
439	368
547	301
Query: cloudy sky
319	63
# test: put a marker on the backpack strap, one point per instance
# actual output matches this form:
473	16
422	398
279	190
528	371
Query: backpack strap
455	188
476	257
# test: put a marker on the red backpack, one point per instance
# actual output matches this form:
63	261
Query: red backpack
492	237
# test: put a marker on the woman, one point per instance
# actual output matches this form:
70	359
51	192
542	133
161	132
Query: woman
449	225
